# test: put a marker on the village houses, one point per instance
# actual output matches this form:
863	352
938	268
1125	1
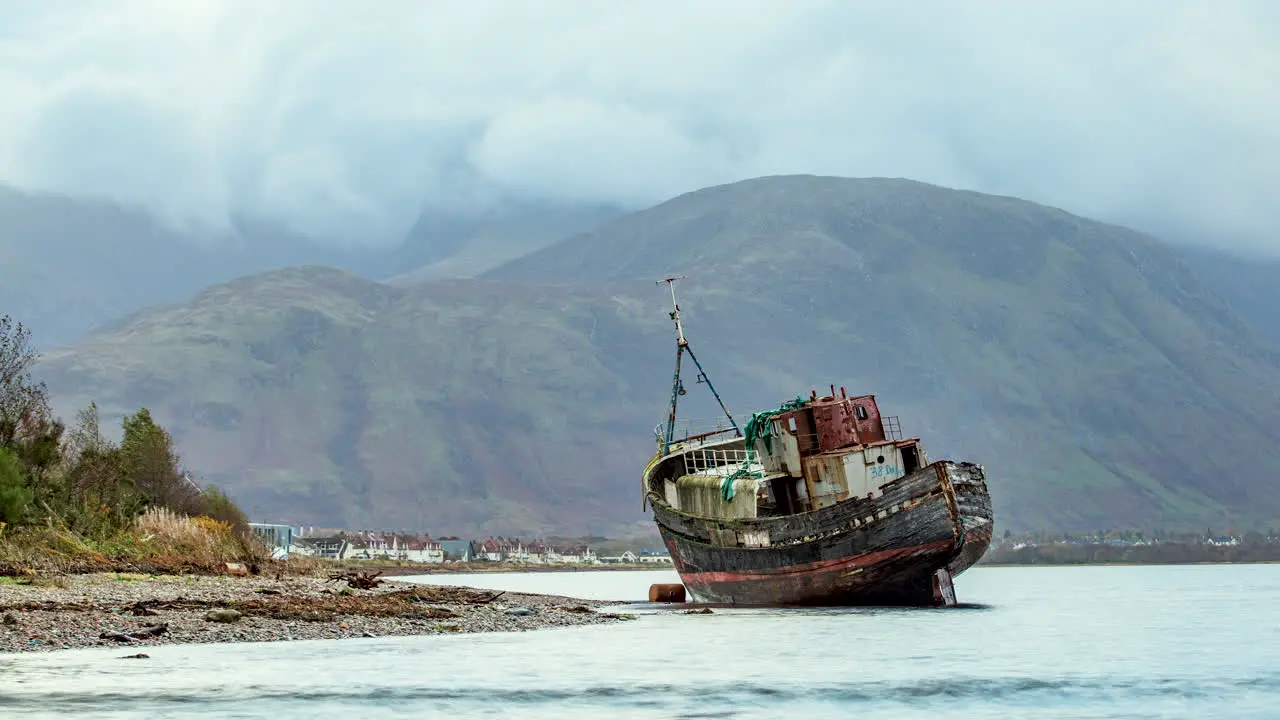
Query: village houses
367	545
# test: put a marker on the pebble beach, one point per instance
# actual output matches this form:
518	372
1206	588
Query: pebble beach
136	611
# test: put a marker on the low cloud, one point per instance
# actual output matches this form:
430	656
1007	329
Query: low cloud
344	120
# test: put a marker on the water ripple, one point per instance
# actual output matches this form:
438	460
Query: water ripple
1045	642
667	694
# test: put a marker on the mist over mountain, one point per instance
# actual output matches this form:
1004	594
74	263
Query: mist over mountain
1086	365
72	266
465	243
342	124
1250	283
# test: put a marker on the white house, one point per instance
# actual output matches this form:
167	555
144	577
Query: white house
502	550
333	548
422	550
571	554
654	557
626	558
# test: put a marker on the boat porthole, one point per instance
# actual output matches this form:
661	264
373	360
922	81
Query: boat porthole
880	459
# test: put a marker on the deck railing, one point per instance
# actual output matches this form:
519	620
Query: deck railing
696	428
716	461
699	431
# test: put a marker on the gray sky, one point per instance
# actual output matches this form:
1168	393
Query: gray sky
345	118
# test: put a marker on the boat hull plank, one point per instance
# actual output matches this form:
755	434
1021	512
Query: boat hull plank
884	563
881	551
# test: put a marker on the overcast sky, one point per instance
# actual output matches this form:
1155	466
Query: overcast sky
345	118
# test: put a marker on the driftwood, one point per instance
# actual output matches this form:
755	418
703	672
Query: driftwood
448	594
140	609
358	580
143	634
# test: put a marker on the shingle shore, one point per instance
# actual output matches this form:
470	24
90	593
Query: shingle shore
79	609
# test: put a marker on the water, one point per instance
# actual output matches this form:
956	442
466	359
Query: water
1086	642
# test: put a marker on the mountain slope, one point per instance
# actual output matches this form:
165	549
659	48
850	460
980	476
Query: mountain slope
458	244
1083	363
71	266
1249	283
1099	382
323	398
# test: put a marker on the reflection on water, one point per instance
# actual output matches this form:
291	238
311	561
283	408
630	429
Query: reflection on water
1041	642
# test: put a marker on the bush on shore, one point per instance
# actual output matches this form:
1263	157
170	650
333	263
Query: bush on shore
72	501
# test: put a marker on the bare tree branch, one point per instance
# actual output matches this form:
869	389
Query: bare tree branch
23	402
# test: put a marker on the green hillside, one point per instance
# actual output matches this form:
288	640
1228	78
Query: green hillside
1096	378
1082	364
320	397
1249	283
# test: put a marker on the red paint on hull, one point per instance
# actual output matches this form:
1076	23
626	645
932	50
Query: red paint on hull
898	577
825	566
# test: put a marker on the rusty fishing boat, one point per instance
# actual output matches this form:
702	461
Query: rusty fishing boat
821	501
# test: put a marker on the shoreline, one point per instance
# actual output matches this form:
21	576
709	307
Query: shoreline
1123	563
496	568
133	612
392	571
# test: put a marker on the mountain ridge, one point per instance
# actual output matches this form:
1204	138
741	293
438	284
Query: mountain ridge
1080	362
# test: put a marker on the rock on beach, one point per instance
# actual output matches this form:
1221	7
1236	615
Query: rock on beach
88	610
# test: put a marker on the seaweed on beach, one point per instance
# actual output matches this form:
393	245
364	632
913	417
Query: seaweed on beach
420	602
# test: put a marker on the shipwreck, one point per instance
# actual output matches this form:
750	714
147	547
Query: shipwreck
821	501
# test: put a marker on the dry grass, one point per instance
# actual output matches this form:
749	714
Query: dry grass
201	539
305	565
160	541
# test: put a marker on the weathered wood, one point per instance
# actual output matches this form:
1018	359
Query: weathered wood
357	579
143	634
881	551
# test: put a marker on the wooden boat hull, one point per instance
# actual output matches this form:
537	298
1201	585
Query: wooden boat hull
898	549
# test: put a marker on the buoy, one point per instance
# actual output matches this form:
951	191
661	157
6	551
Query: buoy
667	593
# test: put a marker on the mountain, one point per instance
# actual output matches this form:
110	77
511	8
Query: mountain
71	266
325	398
465	243
1250	284
1083	364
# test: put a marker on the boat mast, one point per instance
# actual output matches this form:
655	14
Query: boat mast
677	388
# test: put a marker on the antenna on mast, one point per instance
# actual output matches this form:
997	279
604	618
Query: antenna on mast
677	387
675	309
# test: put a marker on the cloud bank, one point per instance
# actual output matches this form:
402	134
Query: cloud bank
345	119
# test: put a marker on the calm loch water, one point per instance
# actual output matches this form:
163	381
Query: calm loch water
1090	642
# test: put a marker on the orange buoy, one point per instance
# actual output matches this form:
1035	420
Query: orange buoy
667	593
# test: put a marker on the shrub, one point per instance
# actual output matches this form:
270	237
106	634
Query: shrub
213	503
75	499
15	497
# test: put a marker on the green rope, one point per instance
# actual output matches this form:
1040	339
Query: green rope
753	431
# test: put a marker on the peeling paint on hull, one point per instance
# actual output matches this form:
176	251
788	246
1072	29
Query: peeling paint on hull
874	552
